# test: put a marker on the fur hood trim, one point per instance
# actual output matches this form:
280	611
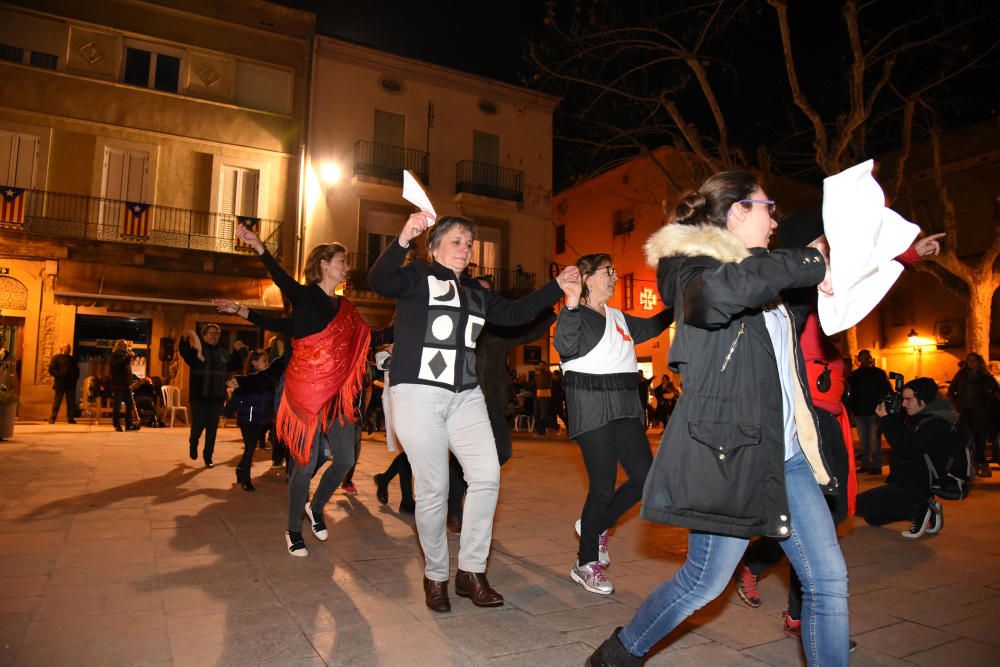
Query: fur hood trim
694	241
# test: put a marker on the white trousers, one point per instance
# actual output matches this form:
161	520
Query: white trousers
432	420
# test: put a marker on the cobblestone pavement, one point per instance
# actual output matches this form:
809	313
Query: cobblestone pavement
116	549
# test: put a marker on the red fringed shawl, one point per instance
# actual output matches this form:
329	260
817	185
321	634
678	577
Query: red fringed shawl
322	380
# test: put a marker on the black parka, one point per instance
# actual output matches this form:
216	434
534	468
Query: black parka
720	465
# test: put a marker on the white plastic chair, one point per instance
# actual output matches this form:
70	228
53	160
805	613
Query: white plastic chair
172	404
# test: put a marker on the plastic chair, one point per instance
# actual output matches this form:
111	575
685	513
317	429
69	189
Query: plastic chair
524	423
172	404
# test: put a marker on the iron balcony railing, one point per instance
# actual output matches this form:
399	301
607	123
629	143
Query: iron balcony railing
81	216
387	162
510	283
489	180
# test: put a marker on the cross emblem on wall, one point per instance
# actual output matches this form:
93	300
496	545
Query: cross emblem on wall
647	298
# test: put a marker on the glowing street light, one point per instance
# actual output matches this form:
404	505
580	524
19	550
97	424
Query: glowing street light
330	173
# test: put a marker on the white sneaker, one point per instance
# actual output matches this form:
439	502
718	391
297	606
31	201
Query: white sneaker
602	546
296	545
591	576
937	518
919	526
318	525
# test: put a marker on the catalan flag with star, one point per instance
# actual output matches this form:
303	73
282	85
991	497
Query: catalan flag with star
12	207
251	224
135	221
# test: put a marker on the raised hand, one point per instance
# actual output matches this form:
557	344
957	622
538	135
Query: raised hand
929	245
571	285
250	237
414	227
227	306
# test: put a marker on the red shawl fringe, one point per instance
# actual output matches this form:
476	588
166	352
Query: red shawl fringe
324	377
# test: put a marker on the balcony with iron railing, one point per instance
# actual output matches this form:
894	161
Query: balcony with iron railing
99	219
489	180
509	283
386	163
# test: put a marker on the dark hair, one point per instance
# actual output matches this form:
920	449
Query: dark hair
925	389
710	204
254	356
324	252
588	266
444	225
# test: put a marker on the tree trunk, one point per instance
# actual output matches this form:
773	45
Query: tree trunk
977	335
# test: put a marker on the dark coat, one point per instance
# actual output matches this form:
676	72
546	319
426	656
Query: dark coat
207	381
120	370
491	358
720	465
252	401
927	432
64	370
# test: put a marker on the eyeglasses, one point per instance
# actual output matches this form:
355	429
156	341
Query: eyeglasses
771	206
610	269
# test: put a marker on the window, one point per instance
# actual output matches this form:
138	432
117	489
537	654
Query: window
151	69
380	224
560	239
389	128
239	191
125	174
485	148
622	223
628	291
18	155
263	87
21	56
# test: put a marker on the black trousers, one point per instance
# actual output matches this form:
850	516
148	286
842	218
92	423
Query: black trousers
253	435
621	441
890	502
401	466
123	396
349	478
205	417
70	395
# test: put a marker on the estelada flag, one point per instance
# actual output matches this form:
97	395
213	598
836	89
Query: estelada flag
12	207
253	224
135	221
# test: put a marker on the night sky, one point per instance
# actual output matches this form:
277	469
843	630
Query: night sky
491	38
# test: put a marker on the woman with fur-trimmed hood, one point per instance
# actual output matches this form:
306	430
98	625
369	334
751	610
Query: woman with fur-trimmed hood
740	456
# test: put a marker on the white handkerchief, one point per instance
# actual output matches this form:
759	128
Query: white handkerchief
414	193
865	238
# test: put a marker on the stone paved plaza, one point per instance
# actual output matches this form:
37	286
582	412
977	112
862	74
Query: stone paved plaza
115	549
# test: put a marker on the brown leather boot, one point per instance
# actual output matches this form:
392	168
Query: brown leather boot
436	595
473	585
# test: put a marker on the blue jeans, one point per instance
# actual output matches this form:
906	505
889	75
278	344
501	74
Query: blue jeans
813	551
871	442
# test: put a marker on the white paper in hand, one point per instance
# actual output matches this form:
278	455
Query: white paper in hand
414	193
865	237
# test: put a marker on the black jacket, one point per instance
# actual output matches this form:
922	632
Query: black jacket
207	381
120	366
439	317
720	465
868	387
927	432
64	370
491	358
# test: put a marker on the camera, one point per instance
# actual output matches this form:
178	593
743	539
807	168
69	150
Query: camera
894	399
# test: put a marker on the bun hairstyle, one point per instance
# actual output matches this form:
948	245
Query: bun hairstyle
711	203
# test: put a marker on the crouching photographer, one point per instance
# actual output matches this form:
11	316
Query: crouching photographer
907	494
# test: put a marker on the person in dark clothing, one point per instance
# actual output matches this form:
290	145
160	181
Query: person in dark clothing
494	380
906	495
65	374
252	403
741	455
210	367
972	390
120	383
607	417
317	415
868	385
